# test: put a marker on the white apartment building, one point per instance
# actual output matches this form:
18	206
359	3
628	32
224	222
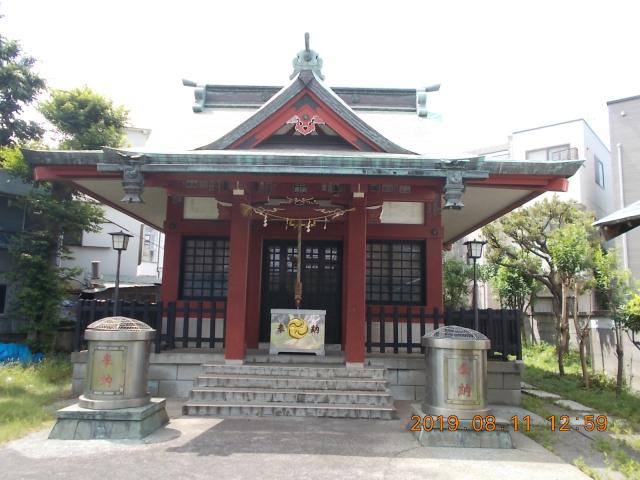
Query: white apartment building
624	125
592	186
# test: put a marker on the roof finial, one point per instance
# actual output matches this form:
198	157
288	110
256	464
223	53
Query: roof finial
307	59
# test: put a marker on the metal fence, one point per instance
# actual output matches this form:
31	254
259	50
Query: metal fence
398	329
389	329
180	324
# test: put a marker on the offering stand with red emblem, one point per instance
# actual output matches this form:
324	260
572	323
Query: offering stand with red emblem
297	331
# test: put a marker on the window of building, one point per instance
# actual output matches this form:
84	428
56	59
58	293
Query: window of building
205	268
395	272
3	298
559	152
599	172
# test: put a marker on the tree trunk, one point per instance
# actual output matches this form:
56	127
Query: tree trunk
583	363
560	358
521	319
564	328
533	333
581	334
561	332
620	355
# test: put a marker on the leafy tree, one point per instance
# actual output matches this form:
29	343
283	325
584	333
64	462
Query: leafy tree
456	277
42	284
570	248
19	87
85	119
615	283
516	289
631	312
534	232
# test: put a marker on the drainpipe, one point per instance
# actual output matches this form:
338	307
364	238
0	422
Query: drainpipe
625	258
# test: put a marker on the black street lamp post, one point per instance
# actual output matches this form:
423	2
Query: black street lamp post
120	242
474	252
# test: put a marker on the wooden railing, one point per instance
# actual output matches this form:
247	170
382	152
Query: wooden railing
399	329
187	324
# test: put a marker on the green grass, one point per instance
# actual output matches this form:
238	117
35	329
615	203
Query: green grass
618	459
625	464
27	395
542	371
536	405
543	435
586	469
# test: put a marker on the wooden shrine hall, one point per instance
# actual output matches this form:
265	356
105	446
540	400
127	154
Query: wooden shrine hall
303	204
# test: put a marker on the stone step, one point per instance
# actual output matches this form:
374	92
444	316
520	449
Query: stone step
275	382
260	395
284	358
300	370
194	408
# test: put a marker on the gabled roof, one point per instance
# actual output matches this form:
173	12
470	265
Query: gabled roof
306	90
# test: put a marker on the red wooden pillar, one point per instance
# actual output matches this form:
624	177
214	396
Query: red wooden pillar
235	342
433	271
172	252
355	299
170	266
345	290
254	286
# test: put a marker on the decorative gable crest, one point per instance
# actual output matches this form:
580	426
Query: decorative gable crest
307	60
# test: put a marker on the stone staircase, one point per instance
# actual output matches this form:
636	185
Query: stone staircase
318	390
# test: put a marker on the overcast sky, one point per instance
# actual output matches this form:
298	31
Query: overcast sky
503	65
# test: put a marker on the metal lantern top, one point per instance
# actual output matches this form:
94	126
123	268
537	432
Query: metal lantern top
119	328
120	240
118	323
474	248
453	336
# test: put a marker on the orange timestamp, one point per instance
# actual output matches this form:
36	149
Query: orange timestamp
452	423
479	423
564	423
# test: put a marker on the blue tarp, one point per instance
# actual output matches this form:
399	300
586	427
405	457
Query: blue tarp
15	352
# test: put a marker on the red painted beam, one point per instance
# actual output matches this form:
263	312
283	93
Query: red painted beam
558	185
515	181
164	179
65	172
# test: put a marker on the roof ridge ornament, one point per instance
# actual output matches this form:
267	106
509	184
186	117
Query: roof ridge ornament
307	60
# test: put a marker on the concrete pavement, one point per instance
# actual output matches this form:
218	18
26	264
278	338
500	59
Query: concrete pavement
278	448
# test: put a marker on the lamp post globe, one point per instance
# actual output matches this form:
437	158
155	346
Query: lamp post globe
119	242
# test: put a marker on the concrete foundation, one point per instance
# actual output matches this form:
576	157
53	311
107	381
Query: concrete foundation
171	374
77	423
405	374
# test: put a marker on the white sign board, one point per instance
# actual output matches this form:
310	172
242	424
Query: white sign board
200	208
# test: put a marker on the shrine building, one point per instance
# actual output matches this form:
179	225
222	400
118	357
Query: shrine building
303	173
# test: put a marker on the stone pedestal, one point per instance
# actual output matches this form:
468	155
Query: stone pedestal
77	423
464	436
